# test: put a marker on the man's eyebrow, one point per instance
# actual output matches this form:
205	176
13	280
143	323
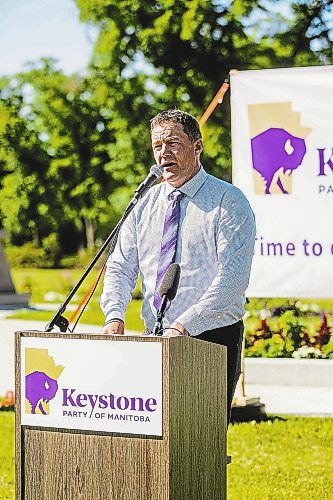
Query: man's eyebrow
172	138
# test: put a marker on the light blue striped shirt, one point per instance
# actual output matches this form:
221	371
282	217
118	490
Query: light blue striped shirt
214	250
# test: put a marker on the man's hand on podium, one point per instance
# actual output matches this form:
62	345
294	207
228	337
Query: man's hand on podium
115	327
176	330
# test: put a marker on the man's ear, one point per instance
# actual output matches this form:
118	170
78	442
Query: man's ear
198	147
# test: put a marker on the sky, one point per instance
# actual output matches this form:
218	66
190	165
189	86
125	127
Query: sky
31	29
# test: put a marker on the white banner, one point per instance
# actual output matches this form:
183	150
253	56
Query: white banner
282	155
99	385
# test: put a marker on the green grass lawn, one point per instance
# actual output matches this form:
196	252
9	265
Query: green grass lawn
53	285
40	282
288	459
92	316
6	455
285	459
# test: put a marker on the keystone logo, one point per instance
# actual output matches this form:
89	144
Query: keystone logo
41	375
277	144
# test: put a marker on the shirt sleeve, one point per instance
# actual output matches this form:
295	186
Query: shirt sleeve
235	244
122	271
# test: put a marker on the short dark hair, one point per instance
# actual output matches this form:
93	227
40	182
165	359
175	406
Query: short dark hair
188	122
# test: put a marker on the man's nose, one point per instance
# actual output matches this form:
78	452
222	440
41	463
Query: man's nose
165	150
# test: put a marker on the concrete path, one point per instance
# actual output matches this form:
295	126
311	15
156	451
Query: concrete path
295	395
293	400
294	386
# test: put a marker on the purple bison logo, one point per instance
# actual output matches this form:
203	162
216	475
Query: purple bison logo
273	150
39	388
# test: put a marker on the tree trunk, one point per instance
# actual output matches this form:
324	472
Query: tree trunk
90	232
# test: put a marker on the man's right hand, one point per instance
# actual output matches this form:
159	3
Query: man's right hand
114	328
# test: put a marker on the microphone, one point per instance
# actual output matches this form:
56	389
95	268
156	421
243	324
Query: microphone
170	282
167	291
155	173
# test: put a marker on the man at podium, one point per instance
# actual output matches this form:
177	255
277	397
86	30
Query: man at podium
202	223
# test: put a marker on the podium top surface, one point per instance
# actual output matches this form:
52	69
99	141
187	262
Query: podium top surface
94	336
139	337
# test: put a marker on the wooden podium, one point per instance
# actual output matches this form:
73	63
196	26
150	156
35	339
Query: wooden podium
187	461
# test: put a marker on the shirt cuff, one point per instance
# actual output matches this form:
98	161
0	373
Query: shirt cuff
113	321
192	321
114	314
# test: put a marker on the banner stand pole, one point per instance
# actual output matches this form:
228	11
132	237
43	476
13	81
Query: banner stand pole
216	100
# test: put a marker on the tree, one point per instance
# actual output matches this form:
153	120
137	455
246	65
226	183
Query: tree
187	47
55	165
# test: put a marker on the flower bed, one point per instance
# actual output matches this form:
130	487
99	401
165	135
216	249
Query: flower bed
288	336
7	402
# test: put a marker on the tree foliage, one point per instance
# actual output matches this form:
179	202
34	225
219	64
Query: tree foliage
55	161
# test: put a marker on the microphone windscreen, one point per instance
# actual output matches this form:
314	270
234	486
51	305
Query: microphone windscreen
156	170
169	285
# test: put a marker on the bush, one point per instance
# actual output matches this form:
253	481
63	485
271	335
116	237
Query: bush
52	250
81	260
27	255
69	261
327	349
30	255
48	256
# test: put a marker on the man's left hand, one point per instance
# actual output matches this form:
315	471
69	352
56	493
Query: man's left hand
176	330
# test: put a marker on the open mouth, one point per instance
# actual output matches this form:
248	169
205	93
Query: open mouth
169	164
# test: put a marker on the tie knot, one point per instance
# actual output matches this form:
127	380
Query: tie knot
175	196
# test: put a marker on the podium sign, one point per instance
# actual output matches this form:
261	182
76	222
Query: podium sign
87	385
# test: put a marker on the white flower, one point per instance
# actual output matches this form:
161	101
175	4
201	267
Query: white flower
307	352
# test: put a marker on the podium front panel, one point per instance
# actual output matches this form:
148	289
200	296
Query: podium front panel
183	459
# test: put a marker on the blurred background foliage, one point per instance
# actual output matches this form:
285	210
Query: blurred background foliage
73	147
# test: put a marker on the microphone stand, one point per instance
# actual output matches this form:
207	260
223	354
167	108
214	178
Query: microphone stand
58	319
157	331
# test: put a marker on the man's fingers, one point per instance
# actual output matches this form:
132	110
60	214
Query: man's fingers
169	332
114	328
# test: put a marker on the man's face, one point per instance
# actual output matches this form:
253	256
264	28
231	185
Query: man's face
173	150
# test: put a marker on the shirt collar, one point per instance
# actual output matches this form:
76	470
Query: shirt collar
192	186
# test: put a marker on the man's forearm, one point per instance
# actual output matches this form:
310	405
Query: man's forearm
116	295
235	245
121	273
210	309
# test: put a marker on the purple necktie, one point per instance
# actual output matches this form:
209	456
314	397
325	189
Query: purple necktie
169	241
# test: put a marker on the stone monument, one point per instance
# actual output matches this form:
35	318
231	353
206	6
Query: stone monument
8	295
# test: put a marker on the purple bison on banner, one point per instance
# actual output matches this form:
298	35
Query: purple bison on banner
39	388
273	149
